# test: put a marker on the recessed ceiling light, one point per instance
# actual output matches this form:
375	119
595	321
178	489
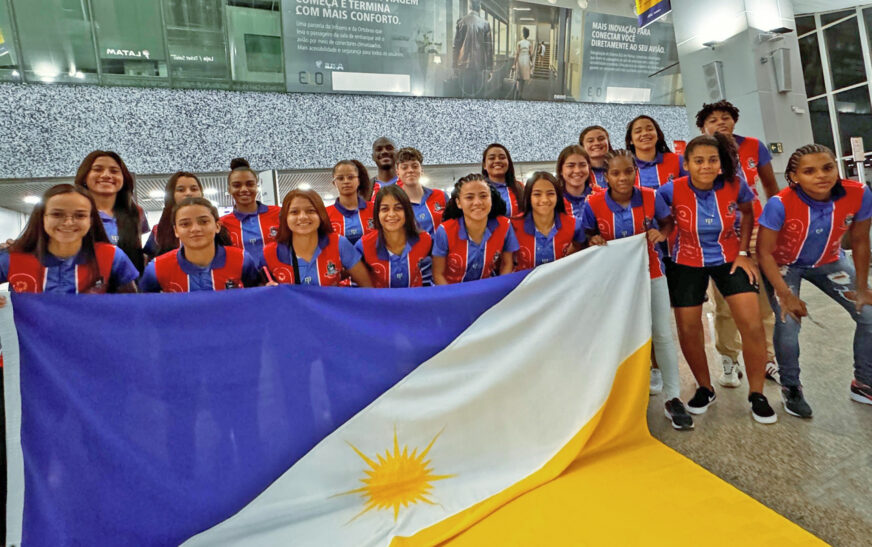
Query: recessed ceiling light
156	194
305	186
32	200
210	192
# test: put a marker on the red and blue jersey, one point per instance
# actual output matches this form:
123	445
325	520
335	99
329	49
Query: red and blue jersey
232	268
251	231
111	225
351	223
508	196
73	275
614	221
428	213
333	254
379	184
575	204
665	168
466	260
704	220
536	248
753	155
599	174
388	270
810	231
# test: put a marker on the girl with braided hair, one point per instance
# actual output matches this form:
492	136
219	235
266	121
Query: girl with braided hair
704	206
800	233
624	211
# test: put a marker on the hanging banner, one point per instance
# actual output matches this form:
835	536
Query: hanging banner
651	10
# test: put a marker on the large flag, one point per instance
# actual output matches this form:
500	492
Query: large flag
308	416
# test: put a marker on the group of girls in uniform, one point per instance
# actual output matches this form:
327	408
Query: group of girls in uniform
696	211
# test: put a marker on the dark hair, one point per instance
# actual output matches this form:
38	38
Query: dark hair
165	236
498	206
559	206
223	236
793	162
572	150
240	165
397	193
33	240
661	145
590	128
526	32
619	153
409	154
364	186
709	108
726	147
514	185
324	228
127	214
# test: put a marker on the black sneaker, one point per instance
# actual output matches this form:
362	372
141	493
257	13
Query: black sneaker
761	410
676	414
701	400
794	402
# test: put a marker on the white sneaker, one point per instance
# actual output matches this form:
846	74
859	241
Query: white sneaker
732	376
772	372
656	382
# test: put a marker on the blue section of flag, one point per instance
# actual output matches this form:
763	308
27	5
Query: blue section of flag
149	418
655	12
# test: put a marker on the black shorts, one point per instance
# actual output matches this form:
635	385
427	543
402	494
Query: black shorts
687	284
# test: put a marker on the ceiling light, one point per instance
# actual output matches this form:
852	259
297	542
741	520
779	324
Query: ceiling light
328	197
210	192
156	194
304	186
31	200
424	179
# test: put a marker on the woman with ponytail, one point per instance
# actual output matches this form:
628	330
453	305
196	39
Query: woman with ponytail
801	229
704	206
112	186
252	224
499	171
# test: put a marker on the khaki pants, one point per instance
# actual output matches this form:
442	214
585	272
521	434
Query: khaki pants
727	339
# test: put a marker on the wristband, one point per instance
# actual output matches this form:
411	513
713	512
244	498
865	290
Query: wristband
743	253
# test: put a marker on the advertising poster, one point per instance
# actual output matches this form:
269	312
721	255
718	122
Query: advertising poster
651	10
489	49
625	63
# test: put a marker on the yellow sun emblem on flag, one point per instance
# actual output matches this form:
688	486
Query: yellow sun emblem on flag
397	479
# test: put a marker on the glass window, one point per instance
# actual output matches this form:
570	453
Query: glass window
836	15
811	62
846	57
56	48
197	44
130	46
804	24
8	55
853	111
255	34
821	128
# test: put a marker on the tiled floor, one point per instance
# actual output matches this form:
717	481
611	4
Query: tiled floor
817	472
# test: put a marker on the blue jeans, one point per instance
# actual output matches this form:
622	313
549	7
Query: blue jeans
835	280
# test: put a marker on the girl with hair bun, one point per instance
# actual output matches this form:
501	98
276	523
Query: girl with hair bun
205	261
351	213
624	211
64	249
704	206
475	239
800	233
252	224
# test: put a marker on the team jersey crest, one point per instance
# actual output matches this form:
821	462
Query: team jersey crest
731	208
751	163
273	231
331	268
849	219
437	207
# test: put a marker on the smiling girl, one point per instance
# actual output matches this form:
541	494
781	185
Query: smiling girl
800	233
499	171
624	211
64	249
575	176
475	239
704	206
396	252
596	142
307	251
656	162
251	224
181	185
546	232
205	261
106	176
